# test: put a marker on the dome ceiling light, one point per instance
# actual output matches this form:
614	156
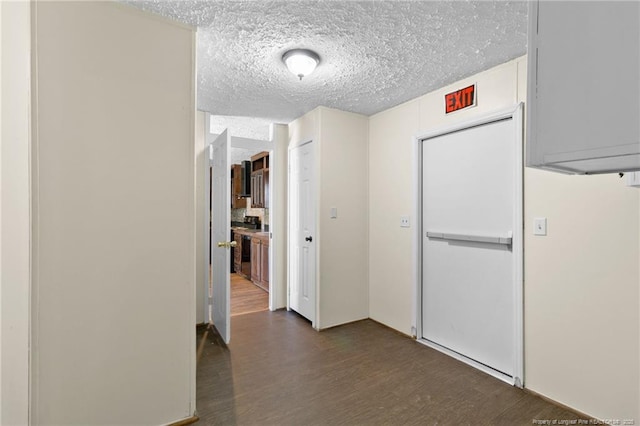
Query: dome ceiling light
301	62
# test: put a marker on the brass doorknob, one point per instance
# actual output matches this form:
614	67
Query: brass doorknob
227	244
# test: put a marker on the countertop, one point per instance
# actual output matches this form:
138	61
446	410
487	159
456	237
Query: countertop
252	232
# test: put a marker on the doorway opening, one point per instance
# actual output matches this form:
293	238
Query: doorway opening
250	196
244	236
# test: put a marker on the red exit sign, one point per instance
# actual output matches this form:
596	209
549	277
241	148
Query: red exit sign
460	99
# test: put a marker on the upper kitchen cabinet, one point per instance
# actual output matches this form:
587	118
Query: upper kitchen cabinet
260	180
583	94
237	193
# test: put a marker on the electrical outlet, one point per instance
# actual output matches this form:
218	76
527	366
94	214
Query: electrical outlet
404	222
540	226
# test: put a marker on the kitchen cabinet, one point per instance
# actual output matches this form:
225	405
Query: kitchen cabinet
264	264
260	261
582	95
237	253
260	180
255	260
237	202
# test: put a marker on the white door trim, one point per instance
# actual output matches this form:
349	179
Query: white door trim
515	113
18	210
208	138
273	289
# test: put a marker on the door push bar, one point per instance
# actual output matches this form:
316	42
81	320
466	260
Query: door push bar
474	238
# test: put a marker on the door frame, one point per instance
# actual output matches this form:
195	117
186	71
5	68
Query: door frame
293	146
273	289
515	113
208	163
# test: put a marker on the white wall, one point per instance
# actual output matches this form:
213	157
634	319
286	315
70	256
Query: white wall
343	242
202	263
14	212
342	182
581	291
114	232
581	281
391	188
342	170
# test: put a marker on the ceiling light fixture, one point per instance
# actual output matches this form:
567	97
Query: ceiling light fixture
301	62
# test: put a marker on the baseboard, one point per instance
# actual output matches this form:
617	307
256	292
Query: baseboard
394	330
372	320
188	421
579	414
344	323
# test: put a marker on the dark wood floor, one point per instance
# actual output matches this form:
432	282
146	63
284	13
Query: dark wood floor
278	371
247	297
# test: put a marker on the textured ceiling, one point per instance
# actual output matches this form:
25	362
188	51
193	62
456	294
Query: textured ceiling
374	54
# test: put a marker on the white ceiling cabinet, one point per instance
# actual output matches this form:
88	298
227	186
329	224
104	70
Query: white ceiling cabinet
583	109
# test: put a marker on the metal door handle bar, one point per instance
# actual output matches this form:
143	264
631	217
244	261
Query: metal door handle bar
474	238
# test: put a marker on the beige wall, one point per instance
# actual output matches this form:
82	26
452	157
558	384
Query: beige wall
392	186
14	212
391	189
114	232
342	169
581	281
343	242
202	250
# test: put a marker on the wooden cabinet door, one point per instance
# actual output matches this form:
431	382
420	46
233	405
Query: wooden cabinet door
237	253
265	189
254	190
264	265
255	260
260	183
237	202
257	189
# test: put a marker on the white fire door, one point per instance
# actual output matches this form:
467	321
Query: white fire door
471	244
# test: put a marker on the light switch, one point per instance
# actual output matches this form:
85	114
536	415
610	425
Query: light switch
404	222
333	213
540	226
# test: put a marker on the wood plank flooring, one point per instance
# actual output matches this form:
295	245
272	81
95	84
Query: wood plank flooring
246	297
278	371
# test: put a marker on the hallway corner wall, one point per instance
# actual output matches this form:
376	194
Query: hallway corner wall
344	241
342	182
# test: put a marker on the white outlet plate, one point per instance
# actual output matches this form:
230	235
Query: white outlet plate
633	179
404	222
540	226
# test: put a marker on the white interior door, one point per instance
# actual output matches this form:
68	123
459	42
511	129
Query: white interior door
220	234
302	237
471	256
